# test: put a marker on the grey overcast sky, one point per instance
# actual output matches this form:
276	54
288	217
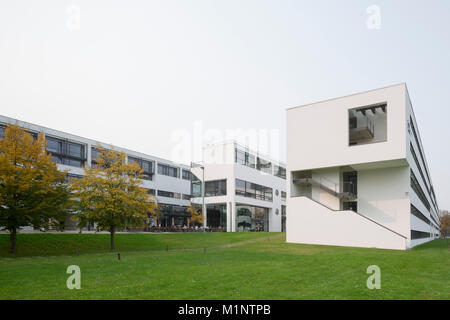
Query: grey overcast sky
131	73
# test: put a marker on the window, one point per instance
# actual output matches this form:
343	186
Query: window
420	151
418	190
196	186
94	155
186	175
418	214
250	218
253	190
250	189
34	135
66	152
268	196
151	192
283	195
240	187
263	165
419	234
215	188
418	165
169	194
73	176
54	145
244	158
186	196
259	191
367	124
166	170
279	171
143	164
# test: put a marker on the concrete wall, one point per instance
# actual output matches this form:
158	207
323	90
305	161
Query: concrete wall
383	195
318	134
311	223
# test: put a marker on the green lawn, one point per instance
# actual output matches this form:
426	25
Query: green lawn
235	266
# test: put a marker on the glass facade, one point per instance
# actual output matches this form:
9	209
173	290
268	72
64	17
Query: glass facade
186	175
143	164
173	215
166	170
244	158
169	194
279	171
253	190
283	218
264	165
216	188
250	218
216	216
66	152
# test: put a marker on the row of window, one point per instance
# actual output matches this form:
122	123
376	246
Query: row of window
216	188
66	152
420	151
253	190
418	190
419	234
169	194
431	192
416	212
247	159
430	188
34	135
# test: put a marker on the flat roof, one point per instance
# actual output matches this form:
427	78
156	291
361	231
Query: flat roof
345	96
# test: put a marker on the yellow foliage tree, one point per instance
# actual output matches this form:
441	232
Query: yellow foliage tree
32	190
196	216
445	225
110	194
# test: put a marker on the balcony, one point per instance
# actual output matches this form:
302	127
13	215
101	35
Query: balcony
361	131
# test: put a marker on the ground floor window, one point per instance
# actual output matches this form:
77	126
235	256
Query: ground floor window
283	218
216	216
350	205
250	218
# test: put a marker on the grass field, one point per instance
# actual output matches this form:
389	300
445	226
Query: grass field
235	266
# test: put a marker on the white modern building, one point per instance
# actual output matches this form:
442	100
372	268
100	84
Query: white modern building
357	173
238	189
167	180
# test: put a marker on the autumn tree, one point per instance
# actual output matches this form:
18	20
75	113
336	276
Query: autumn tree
32	190
196	216
158	214
110	194
445	225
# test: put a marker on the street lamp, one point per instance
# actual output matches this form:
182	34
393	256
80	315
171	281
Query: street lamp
203	197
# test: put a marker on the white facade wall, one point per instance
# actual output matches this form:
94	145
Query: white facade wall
313	223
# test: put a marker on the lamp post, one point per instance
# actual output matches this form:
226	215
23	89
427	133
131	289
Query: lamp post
203	197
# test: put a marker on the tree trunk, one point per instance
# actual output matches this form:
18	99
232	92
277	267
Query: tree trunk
13	238
112	239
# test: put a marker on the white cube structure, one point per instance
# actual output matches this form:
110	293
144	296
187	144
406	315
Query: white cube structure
357	174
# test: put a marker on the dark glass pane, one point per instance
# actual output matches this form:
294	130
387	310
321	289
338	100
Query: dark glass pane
54	145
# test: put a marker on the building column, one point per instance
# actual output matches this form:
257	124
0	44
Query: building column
204	216
233	217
